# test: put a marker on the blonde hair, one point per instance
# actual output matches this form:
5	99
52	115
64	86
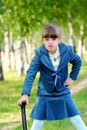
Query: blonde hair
51	30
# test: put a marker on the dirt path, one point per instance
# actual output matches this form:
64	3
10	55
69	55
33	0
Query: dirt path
82	84
10	126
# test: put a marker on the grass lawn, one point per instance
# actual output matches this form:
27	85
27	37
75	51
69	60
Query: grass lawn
10	92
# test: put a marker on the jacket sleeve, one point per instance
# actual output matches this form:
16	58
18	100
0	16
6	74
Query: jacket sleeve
31	73
76	62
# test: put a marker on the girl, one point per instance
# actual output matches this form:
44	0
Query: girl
54	100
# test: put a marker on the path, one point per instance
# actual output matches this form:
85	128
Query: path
10	126
82	84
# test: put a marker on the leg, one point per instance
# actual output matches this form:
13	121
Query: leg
37	124
78	123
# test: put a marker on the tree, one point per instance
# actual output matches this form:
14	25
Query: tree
1	70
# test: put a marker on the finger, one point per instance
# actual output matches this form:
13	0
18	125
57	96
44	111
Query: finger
19	103
66	83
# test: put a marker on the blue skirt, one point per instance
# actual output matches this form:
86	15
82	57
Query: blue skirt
54	108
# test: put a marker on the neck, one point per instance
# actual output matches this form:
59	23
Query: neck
52	52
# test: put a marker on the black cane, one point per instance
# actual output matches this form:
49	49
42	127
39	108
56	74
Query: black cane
23	113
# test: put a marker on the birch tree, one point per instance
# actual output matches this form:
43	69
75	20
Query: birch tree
1	68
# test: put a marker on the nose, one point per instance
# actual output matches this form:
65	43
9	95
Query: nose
50	41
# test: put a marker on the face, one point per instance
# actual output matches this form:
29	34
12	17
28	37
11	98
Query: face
51	44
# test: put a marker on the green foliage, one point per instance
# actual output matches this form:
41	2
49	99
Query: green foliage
2	7
24	17
29	15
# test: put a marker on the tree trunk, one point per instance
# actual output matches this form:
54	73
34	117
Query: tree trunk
12	53
7	52
72	38
26	53
81	42
1	70
20	59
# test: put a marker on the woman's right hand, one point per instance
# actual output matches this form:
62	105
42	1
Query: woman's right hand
22	99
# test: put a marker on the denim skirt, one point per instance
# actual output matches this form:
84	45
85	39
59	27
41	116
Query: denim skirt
54	108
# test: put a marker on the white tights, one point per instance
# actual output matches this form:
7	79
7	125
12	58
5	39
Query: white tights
75	120
78	123
37	124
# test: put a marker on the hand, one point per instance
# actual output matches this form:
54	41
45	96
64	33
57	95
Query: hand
23	98
68	82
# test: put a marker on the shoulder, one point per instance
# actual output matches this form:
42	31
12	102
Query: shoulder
41	50
65	48
69	50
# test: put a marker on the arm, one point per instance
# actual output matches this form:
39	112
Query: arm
76	62
29	79
31	73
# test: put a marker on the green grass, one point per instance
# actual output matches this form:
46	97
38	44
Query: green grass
10	92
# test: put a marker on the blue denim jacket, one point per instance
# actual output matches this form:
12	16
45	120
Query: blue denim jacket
51	82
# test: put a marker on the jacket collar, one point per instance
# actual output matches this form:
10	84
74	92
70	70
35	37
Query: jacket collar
63	60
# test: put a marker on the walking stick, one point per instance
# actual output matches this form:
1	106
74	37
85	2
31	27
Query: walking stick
23	113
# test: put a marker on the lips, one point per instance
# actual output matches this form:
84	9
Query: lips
50	46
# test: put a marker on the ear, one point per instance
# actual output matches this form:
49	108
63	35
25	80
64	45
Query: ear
43	40
60	39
